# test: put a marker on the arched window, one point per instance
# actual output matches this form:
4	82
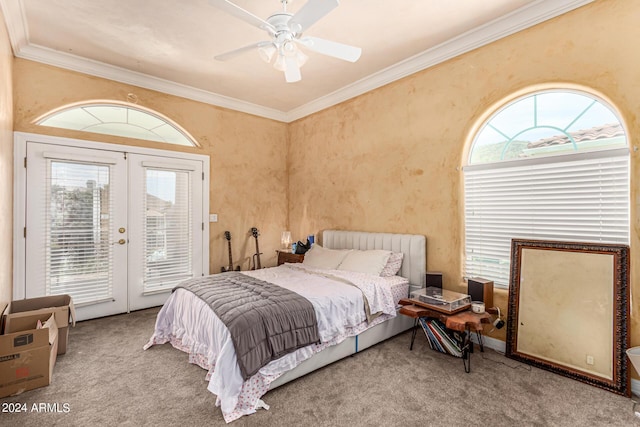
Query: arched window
118	119
553	165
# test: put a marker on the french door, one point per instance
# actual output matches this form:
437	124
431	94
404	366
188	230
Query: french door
165	227
117	231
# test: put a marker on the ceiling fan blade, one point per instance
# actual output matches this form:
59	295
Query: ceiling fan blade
291	70
329	48
232	54
310	13
240	13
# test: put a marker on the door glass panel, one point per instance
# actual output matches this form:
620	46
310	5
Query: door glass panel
78	229
168	236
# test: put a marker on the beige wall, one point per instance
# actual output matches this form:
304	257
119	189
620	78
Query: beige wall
390	160
247	153
6	165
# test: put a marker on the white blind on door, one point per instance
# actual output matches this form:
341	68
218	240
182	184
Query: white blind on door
77	231
579	198
168	235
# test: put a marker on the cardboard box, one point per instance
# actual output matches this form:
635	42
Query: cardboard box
22	314
27	358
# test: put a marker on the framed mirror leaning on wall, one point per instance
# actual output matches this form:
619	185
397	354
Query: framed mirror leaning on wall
568	310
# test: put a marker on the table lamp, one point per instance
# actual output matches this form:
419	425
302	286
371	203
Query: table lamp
285	239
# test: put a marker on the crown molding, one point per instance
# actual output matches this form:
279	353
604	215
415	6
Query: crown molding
16	22
99	69
525	17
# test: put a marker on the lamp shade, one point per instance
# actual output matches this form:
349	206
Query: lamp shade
634	356
285	239
267	52
279	63
301	58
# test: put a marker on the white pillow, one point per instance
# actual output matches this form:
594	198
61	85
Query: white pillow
371	262
320	257
393	264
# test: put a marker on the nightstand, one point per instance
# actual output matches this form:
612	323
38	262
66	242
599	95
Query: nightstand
284	256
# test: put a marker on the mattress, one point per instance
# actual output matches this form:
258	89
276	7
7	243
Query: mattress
338	308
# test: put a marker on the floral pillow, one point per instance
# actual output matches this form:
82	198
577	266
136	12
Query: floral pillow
393	264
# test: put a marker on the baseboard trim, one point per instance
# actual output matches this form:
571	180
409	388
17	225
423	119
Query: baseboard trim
501	347
492	343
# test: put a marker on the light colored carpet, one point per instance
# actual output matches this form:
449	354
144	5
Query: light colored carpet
107	379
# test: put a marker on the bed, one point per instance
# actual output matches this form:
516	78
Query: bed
190	324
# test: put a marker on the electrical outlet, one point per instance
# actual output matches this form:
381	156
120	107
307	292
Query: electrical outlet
589	359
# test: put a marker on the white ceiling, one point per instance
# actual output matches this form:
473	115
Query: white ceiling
169	45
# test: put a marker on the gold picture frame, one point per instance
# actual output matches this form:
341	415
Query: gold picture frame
568	310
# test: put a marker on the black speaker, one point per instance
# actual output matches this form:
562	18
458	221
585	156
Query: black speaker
434	279
481	290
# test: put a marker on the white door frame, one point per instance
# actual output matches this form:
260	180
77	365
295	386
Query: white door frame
19	193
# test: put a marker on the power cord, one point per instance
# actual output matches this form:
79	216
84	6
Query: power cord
498	323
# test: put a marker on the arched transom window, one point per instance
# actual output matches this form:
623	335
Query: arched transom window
553	165
547	124
118	119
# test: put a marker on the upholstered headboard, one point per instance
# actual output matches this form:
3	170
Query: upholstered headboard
414	247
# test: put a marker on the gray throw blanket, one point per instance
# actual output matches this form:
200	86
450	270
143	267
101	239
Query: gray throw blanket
265	320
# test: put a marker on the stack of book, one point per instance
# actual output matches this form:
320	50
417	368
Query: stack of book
440	339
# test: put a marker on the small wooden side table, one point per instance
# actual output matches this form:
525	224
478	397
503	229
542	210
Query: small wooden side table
464	321
284	256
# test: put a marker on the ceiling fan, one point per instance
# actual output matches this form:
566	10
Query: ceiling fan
286	31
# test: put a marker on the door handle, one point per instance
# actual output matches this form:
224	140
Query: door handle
122	241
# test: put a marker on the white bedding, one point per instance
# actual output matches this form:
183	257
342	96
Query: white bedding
339	309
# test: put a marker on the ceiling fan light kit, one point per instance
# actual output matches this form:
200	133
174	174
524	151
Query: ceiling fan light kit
285	30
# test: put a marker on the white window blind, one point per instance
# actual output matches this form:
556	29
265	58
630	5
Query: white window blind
168	237
580	198
77	231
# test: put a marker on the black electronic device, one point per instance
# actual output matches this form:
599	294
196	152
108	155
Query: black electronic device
481	290
434	279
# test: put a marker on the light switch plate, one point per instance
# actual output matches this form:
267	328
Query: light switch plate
213	217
